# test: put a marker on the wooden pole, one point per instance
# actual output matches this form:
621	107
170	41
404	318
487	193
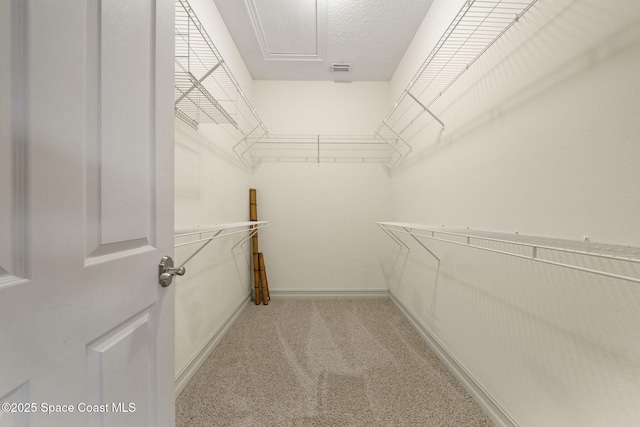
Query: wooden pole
253	216
266	282
256	278
263	280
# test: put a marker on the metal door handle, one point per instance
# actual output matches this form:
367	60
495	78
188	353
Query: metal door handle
166	271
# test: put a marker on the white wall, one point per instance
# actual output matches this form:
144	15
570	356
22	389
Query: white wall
435	23
322	234
542	136
321	107
212	187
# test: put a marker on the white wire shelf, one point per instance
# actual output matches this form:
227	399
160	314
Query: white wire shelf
477	26
205	89
615	261
321	149
207	234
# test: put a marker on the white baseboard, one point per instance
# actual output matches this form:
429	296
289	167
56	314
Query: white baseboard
479	394
189	371
329	293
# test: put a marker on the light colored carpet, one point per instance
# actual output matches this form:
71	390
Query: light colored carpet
325	362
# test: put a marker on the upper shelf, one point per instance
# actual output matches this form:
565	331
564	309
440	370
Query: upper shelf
619	262
321	148
476	27
205	89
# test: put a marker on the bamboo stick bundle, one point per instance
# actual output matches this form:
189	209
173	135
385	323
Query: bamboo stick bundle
253	216
259	272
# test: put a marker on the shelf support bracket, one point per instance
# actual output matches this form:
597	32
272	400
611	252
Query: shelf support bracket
211	99
193	85
390	144
251	144
201	248
425	108
395	238
252	233
422	244
398	136
244	139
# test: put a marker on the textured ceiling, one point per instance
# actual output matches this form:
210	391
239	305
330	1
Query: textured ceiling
300	39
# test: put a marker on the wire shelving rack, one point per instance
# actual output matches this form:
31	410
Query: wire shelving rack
205	89
613	261
321	149
476	27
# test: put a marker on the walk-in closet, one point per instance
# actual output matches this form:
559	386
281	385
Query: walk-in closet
320	212
487	188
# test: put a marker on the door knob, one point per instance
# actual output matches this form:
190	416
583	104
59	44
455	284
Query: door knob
166	271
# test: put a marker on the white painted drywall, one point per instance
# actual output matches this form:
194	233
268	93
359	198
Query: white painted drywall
321	234
321	107
212	187
438	19
542	136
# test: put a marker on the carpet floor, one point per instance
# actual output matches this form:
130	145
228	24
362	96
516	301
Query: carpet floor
324	362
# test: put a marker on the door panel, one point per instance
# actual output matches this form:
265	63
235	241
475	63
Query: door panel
125	134
120	372
120	153
12	153
6	149
86	200
16	419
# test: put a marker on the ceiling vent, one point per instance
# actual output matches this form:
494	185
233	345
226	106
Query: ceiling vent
340	68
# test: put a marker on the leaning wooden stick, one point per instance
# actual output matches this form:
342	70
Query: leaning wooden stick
263	280
256	278
266	282
253	216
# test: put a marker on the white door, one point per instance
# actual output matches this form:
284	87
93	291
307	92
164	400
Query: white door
86	212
